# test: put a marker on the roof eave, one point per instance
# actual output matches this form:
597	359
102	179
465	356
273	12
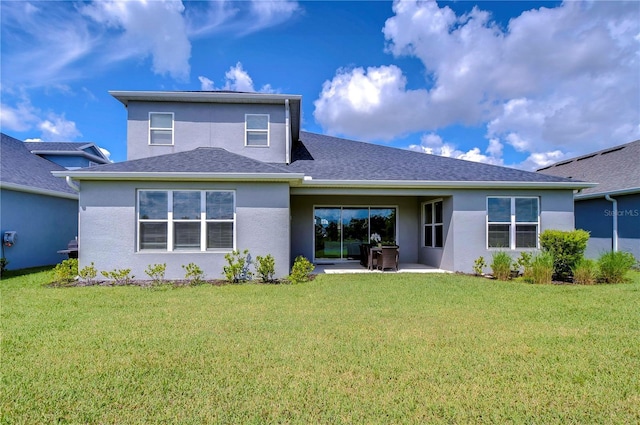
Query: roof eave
82	154
224	97
177	176
444	184
37	190
619	192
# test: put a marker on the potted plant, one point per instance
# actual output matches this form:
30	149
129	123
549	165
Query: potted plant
376	239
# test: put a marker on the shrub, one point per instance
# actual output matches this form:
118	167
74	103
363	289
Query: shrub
66	271
237	268
266	268
501	265
3	264
567	248
119	276
88	273
585	272
614	266
479	265
193	273
301	270
156	273
524	262
541	270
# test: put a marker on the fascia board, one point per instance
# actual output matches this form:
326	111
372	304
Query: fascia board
37	191
161	96
445	184
96	175
621	192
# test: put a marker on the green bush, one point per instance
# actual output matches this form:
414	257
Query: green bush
479	265
3	264
237	268
119	276
193	273
156	273
301	270
567	248
613	266
541	269
66	271
501	265
585	272
266	267
88	273
524	262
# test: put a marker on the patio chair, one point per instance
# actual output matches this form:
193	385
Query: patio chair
371	258
388	258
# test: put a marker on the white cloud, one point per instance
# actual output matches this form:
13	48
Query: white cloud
56	128
25	117
236	79
433	144
557	79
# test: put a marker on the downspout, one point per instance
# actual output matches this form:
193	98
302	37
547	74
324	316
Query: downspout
287	131
615	221
72	185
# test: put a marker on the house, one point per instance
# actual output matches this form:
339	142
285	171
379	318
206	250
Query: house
41	209
71	155
209	172
611	210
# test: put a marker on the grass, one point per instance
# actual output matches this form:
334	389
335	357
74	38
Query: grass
374	348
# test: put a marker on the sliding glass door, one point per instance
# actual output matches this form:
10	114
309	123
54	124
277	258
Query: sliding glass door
339	231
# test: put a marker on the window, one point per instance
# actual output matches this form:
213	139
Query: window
161	128
512	222
433	225
256	130
186	220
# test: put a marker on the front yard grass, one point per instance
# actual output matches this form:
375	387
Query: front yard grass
370	348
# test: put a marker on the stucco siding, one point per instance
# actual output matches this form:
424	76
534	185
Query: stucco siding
44	225
206	125
108	227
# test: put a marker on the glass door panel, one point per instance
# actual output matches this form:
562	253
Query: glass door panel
383	222
355	231
328	240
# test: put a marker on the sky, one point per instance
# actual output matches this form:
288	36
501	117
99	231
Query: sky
517	83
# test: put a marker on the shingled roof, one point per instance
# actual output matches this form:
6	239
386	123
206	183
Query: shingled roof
87	150
332	158
616	169
21	170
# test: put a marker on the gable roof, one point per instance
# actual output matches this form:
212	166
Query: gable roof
330	158
320	160
23	171
615	169
201	163
86	150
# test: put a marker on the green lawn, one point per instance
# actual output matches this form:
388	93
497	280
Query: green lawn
375	348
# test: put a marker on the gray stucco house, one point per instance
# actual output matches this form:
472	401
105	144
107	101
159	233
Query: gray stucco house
209	172
40	208
611	210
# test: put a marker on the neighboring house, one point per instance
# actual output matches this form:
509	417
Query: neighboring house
71	155
611	210
209	172
40	208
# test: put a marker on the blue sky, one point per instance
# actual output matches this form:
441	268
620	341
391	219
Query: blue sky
514	83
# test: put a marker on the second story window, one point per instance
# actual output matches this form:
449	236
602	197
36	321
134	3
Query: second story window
161	128
256	130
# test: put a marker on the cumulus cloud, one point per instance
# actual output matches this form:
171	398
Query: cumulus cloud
236	79
25	117
433	144
562	79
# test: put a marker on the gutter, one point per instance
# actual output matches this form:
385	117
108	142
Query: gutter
614	235
37	191
114	175
71	184
287	132
311	182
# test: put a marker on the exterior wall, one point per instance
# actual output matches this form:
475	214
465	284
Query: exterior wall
206	125
464	222
302	229
68	161
108	227
44	225
469	222
596	217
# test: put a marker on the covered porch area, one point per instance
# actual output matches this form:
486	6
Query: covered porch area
352	267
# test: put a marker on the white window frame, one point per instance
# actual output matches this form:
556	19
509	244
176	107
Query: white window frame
432	225
170	221
512	223
151	129
253	130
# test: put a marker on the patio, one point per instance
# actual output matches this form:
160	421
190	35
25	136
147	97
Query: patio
348	267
